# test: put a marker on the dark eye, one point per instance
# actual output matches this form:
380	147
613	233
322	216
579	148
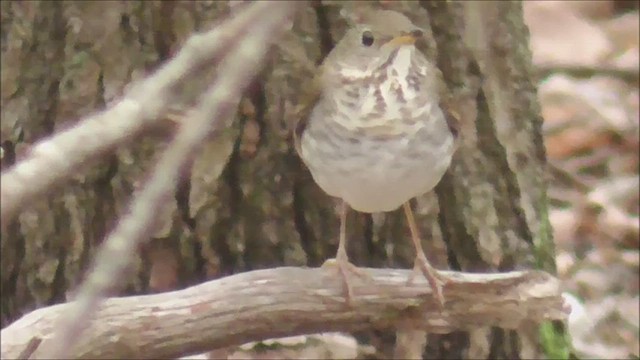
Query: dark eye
367	38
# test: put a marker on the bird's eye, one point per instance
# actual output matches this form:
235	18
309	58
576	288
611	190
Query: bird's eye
367	38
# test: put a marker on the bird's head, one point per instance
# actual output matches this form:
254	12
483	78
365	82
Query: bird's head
372	42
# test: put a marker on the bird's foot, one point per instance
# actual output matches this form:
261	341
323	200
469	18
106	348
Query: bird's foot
346	270
433	276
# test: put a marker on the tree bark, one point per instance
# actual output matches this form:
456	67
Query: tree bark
247	202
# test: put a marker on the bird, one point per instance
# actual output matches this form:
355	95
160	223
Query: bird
373	133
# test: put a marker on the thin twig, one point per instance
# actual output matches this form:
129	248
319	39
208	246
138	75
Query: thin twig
31	347
580	71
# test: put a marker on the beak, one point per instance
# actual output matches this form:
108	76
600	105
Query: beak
406	39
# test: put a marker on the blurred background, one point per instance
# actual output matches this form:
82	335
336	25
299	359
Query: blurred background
587	56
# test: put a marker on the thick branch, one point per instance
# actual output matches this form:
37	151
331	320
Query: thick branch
287	301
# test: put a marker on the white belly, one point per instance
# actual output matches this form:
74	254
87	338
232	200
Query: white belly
378	179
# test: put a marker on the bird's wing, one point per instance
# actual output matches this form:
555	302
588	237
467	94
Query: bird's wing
308	99
447	104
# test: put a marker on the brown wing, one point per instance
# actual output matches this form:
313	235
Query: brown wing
447	104
308	99
452	116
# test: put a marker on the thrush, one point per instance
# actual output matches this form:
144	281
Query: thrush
374	134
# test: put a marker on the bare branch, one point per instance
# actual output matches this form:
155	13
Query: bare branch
628	75
289	301
55	159
249	34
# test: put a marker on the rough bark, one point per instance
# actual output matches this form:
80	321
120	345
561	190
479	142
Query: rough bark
247	201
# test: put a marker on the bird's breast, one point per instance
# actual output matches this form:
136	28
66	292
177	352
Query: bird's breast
385	100
375	169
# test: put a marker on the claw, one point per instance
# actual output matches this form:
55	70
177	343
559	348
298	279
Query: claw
347	270
436	281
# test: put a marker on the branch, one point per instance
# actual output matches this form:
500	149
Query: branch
248	36
629	75
55	158
288	301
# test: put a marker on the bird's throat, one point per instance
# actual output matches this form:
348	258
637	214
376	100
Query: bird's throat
399	60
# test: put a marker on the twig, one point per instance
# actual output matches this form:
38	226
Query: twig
628	75
31	347
557	168
248	36
287	301
54	159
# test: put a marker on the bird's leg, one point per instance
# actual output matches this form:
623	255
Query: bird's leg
421	263
345	267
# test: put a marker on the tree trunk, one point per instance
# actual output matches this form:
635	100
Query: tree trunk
247	201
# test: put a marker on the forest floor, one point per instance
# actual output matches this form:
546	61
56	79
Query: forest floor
587	56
